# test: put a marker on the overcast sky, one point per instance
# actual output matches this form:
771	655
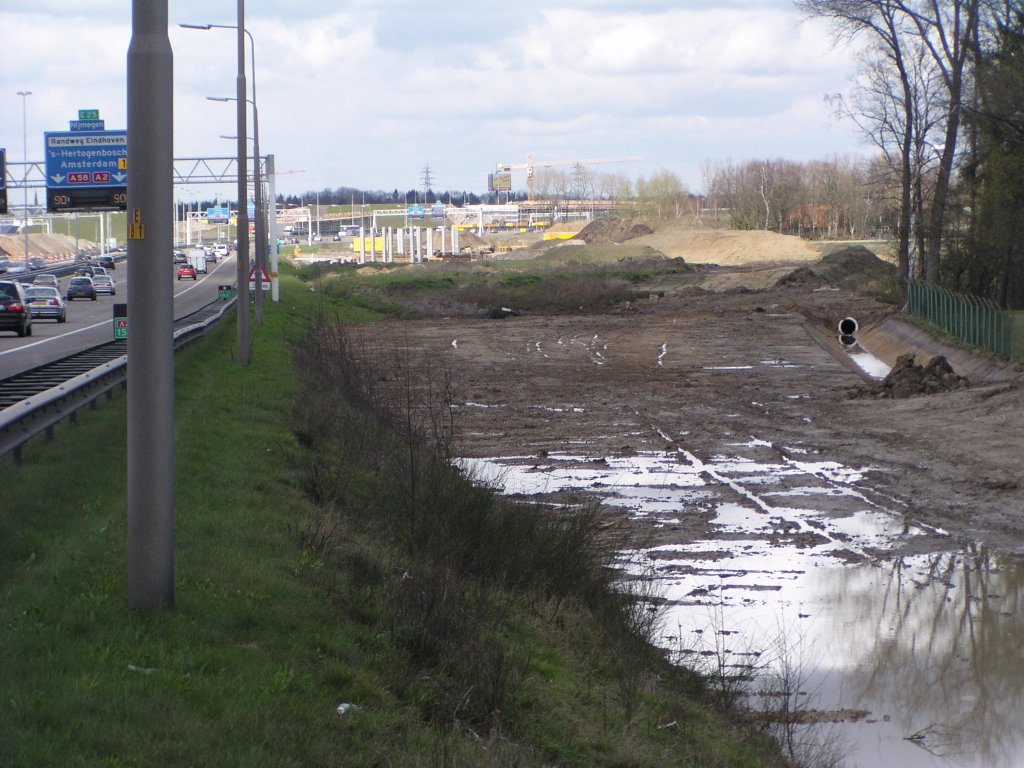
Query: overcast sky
365	94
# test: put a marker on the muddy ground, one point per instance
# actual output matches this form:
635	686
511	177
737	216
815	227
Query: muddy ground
699	372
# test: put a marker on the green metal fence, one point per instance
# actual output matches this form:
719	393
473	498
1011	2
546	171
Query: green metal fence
977	321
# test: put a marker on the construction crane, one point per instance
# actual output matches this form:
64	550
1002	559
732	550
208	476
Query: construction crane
529	165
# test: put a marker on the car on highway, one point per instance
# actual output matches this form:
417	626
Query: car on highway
105	284
180	257
81	287
187	270
15	314
37	262
222	250
46	301
107	262
46	279
16	268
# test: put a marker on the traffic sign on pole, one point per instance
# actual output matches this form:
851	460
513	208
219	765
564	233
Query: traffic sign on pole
86	171
252	279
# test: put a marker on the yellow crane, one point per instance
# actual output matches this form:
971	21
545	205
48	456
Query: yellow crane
529	165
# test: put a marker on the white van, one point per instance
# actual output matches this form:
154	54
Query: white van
222	250
197	258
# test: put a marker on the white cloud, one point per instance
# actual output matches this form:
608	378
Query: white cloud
366	94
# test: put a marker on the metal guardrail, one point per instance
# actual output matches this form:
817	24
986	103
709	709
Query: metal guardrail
39	413
977	321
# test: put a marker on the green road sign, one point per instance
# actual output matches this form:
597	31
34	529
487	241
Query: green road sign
121	328
88	114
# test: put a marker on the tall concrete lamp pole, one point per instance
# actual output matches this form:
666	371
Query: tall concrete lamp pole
24	143
151	298
258	202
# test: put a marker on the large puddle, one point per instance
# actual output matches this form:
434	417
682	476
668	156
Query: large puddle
919	635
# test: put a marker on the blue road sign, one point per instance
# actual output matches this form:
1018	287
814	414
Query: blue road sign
87	125
86	159
217	215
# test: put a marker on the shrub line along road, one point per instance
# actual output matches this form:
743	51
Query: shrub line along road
90	322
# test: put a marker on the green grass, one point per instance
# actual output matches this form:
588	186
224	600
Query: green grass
460	289
266	638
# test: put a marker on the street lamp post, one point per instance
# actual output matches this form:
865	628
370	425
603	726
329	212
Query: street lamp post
257	203
24	139
261	229
150	444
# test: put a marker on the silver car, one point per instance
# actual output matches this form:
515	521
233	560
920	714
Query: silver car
46	302
105	284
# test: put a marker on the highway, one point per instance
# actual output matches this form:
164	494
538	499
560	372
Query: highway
91	322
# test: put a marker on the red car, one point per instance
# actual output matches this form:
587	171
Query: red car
187	270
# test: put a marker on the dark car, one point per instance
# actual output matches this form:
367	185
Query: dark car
37	262
180	257
107	262
81	287
15	314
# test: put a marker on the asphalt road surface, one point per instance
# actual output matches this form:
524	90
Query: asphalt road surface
91	322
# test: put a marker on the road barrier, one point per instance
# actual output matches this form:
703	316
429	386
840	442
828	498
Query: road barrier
977	321
40	412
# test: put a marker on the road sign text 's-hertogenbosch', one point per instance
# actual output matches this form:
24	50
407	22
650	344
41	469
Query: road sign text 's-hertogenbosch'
86	170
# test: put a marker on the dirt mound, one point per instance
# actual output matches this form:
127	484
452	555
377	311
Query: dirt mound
908	378
468	239
601	254
727	247
564	227
43	245
801	277
854	268
613	231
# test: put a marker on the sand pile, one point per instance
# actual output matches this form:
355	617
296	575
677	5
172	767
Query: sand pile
565	228
727	247
468	239
42	245
611	231
908	378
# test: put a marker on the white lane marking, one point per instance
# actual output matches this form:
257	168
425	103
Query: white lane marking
54	338
661	357
104	322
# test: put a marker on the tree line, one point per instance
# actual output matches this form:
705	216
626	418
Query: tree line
939	91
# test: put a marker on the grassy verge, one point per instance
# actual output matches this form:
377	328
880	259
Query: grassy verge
453	289
272	631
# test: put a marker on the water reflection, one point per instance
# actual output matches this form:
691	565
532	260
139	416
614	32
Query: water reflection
932	644
938	642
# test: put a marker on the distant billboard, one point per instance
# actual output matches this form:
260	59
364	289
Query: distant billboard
437	210
415	211
499	182
217	215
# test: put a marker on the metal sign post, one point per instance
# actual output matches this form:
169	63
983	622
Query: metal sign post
151	295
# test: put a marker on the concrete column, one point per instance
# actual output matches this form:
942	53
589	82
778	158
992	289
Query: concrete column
275	283
150	440
455	240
